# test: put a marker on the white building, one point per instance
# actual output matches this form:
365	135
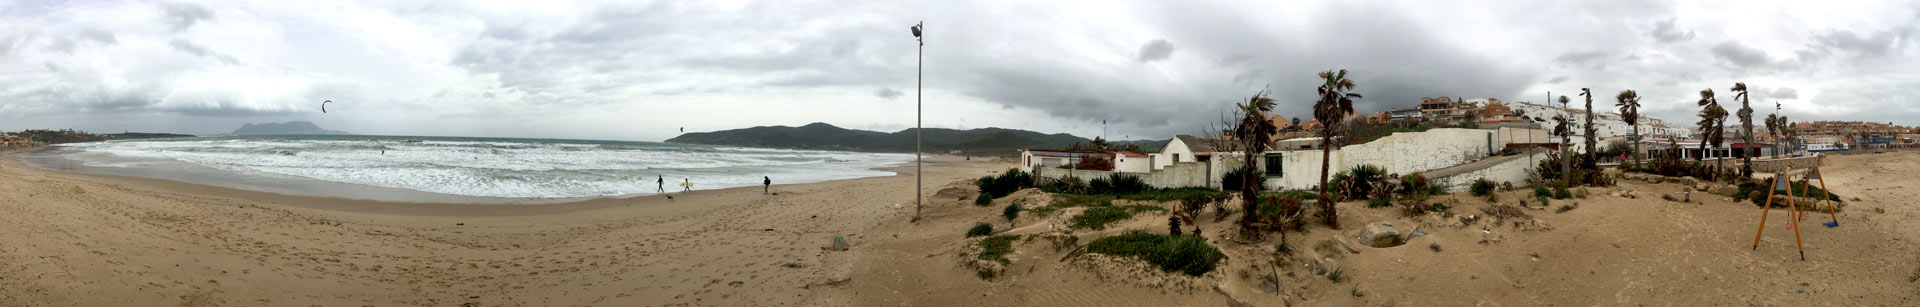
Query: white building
1183	148
1125	162
1607	124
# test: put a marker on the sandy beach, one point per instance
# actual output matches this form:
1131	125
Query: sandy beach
97	240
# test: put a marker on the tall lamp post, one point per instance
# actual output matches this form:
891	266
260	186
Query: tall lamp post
919	76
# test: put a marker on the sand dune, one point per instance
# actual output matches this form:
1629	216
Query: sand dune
93	240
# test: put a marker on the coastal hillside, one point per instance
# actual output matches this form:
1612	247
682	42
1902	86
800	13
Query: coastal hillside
292	127
822	136
74	136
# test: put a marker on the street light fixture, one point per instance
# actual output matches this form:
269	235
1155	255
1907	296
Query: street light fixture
919	82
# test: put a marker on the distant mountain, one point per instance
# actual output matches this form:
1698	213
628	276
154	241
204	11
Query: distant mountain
292	127
822	136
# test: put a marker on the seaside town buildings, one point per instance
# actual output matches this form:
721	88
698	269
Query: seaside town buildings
1453	141
8	141
1448	111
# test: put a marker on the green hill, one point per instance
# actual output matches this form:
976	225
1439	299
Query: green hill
822	136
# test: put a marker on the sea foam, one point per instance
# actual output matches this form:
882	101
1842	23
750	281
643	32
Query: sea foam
518	168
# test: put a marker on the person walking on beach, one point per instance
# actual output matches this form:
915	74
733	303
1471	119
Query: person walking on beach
662	180
766	185
687	186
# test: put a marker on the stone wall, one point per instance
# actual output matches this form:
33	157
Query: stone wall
1764	166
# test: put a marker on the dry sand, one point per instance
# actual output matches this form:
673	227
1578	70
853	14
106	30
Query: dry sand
94	240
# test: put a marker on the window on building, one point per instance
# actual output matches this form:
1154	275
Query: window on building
1274	164
1176	158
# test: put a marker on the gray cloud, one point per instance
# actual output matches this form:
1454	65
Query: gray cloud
1394	60
197	50
1878	44
1155	50
1741	55
492	63
99	36
60	45
1580	57
181	16
229	108
1232	59
1666	32
1783	93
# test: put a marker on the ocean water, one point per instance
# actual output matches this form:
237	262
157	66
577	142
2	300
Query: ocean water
485	167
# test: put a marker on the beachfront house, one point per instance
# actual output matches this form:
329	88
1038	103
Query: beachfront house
1183	148
1823	143
1036	160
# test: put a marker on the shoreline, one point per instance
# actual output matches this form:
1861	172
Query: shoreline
167	242
444	209
441	171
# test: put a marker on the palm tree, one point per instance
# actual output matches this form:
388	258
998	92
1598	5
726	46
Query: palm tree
1592	144
1746	127
1773	131
1253	132
1564	129
1711	116
1334	104
1630	112
1788	131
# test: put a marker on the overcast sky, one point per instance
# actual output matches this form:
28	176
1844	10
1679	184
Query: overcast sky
1151	69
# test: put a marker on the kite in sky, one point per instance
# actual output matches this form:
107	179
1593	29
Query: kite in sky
323	106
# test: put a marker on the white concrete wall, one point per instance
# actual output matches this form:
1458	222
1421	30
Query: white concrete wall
1123	163
1219	164
1504	136
1400	153
1301	169
1514	171
1178	175
1406	153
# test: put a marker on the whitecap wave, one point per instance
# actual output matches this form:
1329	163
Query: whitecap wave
502	167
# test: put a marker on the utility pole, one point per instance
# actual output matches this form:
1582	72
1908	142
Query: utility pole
920	82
